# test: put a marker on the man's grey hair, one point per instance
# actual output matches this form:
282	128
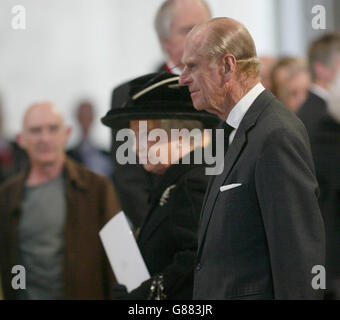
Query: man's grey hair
165	15
230	36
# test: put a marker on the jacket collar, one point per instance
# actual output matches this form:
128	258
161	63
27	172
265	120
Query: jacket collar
259	105
19	181
240	109
319	91
168	180
71	173
171	176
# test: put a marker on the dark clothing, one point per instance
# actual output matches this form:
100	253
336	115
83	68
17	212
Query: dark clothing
90	203
324	134
131	180
13	159
260	240
312	111
168	238
93	158
163	68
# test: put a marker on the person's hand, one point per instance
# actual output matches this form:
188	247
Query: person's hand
119	292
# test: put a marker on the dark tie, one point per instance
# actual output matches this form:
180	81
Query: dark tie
227	130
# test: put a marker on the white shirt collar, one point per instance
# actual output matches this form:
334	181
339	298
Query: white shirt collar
174	69
238	112
319	91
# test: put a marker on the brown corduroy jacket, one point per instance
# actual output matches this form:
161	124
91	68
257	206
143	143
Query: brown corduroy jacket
91	202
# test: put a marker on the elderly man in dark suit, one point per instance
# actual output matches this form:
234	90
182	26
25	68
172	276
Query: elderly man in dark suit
324	132
261	229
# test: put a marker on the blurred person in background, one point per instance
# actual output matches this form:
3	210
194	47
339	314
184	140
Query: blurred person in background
291	81
319	114
326	152
85	152
324	63
12	157
168	237
174	19
266	66
50	216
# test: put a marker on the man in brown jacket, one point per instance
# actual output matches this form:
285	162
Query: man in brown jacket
50	217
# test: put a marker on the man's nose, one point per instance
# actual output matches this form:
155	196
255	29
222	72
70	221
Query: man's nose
184	79
45	135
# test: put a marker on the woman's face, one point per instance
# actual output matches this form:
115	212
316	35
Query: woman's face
294	90
155	154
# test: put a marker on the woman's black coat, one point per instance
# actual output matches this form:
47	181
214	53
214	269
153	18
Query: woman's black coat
168	237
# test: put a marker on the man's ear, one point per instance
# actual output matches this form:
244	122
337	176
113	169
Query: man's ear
166	45
68	131
229	66
320	70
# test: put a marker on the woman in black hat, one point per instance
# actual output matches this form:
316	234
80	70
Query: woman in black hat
168	237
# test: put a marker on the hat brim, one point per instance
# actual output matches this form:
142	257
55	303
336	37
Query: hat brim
119	118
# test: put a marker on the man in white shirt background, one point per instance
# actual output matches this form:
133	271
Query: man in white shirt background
319	115
324	62
173	21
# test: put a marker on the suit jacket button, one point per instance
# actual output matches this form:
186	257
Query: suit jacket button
198	267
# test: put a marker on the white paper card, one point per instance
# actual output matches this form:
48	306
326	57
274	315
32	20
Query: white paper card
123	253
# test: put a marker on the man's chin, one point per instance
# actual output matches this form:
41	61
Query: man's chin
46	160
211	110
199	107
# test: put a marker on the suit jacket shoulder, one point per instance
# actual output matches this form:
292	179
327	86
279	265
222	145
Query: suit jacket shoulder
312	111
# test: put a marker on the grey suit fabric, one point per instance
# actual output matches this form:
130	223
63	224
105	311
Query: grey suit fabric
261	240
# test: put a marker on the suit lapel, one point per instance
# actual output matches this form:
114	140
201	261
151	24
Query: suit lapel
231	157
225	146
207	192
